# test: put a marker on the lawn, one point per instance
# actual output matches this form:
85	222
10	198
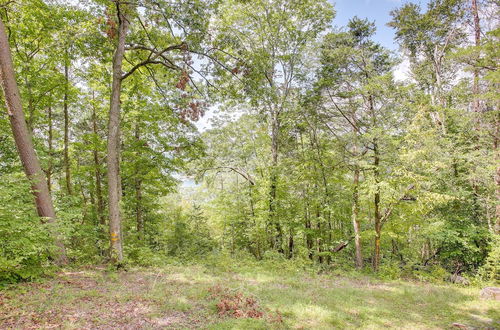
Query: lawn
196	296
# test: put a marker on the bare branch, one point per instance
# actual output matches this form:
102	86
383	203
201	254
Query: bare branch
246	176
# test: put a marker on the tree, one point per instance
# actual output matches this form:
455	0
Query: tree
113	155
266	43
358	106
23	139
157	50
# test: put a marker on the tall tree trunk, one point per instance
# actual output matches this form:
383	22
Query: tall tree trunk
307	221
138	191
275	126
476	108
309	238
113	160
79	183
51	151
22	138
326	199
97	165
355	218
66	125
477	38
376	200
496	150
319	237
376	204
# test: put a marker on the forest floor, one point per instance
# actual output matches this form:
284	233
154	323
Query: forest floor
180	297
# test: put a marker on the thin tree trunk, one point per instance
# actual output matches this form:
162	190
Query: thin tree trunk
309	239
51	151
376	201
477	37
355	218
307	221
82	190
66	125
22	138
97	165
497	193
138	192
496	151
113	160
275	126
476	107
319	237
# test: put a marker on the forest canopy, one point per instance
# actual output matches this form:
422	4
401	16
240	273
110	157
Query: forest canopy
318	150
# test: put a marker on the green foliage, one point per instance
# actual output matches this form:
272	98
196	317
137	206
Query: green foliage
314	138
390	271
434	274
25	244
143	256
490	270
187	235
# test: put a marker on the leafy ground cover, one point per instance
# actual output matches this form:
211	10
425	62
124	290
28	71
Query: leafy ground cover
255	297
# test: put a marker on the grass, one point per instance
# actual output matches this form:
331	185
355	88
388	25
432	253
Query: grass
252	297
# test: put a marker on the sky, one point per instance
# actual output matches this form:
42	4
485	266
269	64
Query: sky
374	10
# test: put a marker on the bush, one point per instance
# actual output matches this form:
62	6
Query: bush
389	271
272	255
143	256
433	274
188	235
490	271
25	243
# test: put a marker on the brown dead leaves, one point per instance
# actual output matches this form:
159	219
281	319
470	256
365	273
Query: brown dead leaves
235	304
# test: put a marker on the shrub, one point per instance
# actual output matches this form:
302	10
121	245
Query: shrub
187	235
25	243
433	274
143	256
490	271
389	271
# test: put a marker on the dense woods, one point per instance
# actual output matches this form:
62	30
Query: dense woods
324	147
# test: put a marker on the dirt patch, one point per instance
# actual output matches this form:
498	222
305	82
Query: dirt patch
73	300
87	313
169	319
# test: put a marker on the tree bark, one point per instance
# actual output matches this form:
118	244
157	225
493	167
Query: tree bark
376	200
113	160
496	145
22	138
355	219
477	38
319	237
476	106
275	126
376	204
290	245
51	151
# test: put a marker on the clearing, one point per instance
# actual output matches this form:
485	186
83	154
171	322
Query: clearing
196	296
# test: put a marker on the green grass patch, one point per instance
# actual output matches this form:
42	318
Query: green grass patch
275	297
